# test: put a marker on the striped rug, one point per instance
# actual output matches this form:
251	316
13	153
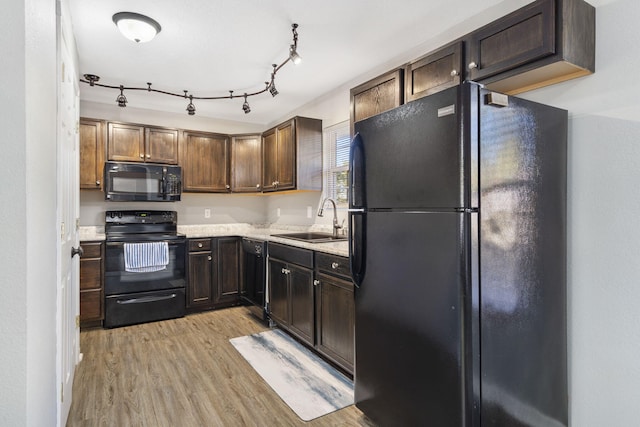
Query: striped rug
309	385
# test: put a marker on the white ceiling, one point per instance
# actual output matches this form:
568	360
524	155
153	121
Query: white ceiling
209	47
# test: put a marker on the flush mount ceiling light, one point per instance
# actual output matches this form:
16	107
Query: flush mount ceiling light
136	27
121	100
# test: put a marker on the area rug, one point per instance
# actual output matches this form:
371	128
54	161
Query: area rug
309	385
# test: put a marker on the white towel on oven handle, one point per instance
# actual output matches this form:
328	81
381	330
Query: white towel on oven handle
146	257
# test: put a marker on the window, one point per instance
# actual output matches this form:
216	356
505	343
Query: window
336	162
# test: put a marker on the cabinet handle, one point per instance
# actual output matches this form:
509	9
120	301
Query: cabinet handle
209	258
472	65
148	156
98	182
335	265
454	73
284	271
199	245
316	282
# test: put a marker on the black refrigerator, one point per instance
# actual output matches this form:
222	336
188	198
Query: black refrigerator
458	252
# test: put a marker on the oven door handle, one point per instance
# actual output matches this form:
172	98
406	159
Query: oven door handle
143	300
169	242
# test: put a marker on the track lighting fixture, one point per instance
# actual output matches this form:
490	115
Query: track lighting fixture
136	27
245	106
121	100
271	85
191	109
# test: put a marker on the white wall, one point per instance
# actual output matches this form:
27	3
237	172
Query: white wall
29	238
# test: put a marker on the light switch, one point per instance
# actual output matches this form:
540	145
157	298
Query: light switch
207	213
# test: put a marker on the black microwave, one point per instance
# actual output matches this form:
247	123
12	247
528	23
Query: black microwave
128	182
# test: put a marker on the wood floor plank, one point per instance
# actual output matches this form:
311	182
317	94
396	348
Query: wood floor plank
181	372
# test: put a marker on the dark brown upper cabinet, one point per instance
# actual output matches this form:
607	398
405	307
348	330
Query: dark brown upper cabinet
136	143
205	162
434	72
292	156
545	42
376	96
246	164
92	137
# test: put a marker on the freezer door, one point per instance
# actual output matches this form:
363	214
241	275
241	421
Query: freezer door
523	270
414	156
409	319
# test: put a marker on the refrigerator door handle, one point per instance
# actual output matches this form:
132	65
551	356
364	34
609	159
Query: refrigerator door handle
357	210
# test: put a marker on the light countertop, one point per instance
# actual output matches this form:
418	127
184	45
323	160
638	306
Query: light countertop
258	232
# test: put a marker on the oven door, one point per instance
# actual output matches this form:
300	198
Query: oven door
118	281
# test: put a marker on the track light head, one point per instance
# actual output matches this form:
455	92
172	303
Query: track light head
273	90
191	109
245	106
121	99
293	55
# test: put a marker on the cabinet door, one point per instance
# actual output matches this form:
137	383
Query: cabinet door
201	277
278	292
519	38
92	135
205	162
335	320
161	145
270	160
125	142
302	302
228	280
286	163
434	72
377	96
246	164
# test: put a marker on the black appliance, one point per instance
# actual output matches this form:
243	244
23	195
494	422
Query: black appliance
138	297
254	275
125	182
458	251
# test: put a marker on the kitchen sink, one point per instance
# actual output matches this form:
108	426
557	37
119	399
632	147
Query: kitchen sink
312	237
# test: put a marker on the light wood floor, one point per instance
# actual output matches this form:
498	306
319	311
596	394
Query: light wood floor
180	372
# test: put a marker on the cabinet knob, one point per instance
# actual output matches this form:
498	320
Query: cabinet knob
283	271
454	73
209	258
142	156
199	245
316	282
335	265
472	65
148	156
257	185
98	182
227	186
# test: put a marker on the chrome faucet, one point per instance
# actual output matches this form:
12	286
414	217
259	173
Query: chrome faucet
336	226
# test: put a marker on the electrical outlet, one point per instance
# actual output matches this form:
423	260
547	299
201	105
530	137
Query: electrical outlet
207	213
309	213
278	212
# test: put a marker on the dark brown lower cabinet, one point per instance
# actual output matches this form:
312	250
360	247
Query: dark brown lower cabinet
291	295
335	310
214	273
91	284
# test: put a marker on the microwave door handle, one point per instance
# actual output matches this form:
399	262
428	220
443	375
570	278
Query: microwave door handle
163	183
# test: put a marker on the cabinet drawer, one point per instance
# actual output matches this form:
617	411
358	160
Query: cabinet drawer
199	245
91	250
333	264
91	305
91	273
303	257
